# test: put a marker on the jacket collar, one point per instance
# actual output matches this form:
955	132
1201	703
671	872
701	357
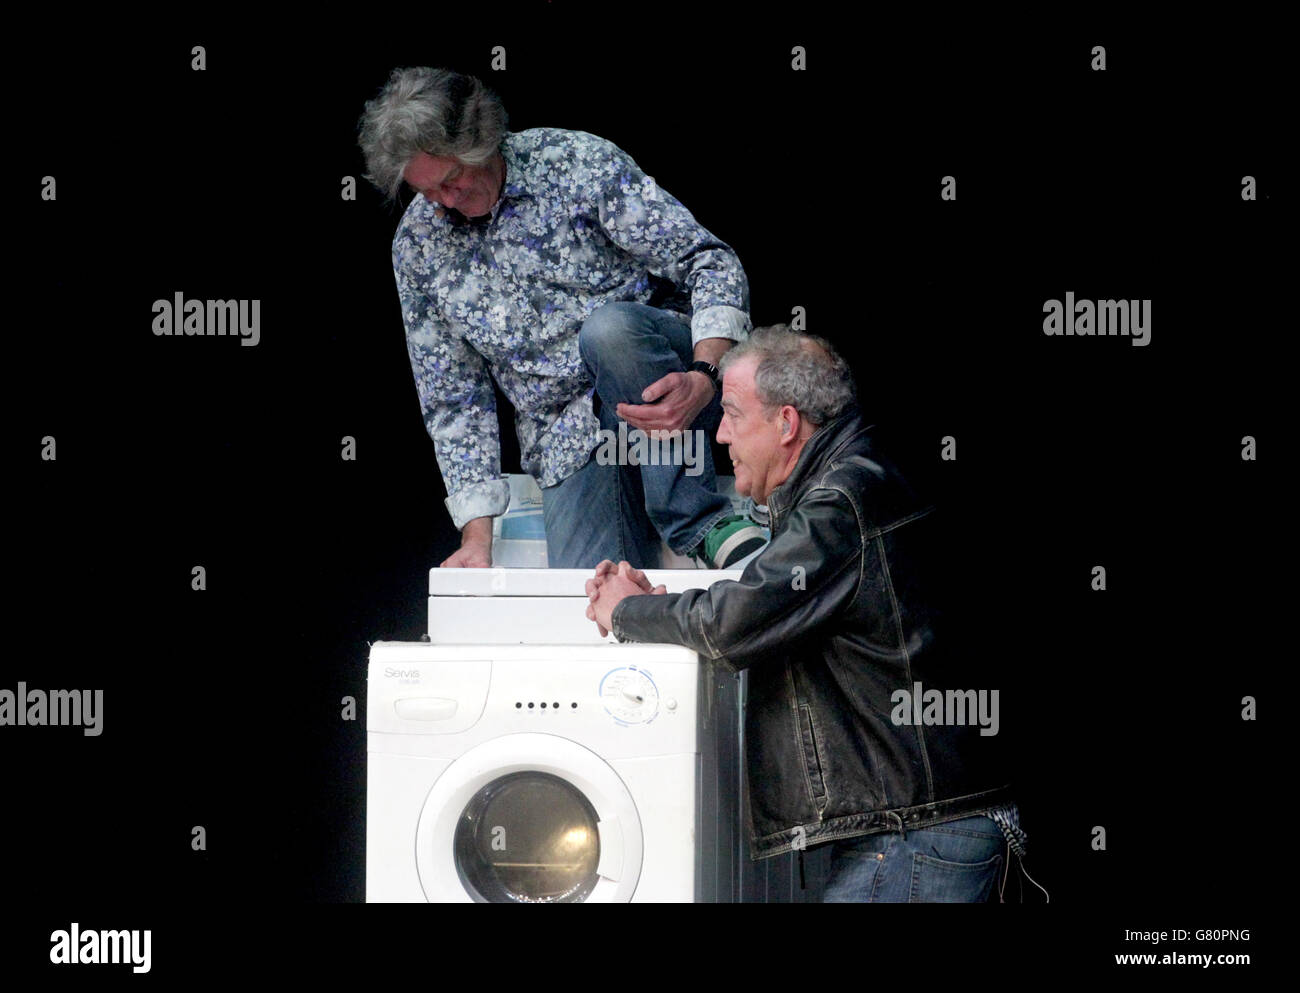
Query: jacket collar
822	447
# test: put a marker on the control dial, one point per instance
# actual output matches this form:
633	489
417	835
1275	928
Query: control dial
630	695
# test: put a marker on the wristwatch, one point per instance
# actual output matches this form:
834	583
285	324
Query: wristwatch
710	370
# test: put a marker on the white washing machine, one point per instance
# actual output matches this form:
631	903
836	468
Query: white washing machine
519	757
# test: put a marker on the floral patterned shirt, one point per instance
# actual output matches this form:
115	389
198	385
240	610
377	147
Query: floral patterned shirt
503	297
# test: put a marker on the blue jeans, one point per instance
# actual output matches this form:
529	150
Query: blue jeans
956	862
622	511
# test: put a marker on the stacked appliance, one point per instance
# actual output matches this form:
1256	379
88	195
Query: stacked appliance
517	756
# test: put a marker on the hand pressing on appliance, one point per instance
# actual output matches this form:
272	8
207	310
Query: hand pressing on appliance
608	588
475	550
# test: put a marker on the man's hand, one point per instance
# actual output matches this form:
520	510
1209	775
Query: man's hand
671	404
608	588
608	568
475	550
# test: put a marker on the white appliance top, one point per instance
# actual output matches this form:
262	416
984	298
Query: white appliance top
557	582
530	606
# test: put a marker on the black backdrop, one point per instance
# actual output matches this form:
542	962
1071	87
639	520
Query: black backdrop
222	708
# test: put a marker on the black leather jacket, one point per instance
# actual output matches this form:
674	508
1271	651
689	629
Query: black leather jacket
838	612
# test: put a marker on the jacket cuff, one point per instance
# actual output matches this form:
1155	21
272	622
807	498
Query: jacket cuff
488	498
633	619
648	618
615	620
720	322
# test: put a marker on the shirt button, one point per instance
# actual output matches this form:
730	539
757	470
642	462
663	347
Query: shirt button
439	212
880	856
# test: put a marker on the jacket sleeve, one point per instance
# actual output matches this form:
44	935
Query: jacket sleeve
457	401
801	581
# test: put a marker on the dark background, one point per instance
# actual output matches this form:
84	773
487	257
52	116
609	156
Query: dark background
1119	709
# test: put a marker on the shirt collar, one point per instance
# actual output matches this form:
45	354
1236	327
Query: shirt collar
514	188
516	157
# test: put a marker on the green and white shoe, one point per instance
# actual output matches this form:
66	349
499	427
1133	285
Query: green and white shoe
730	540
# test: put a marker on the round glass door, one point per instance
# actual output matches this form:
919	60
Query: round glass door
529	818
528	837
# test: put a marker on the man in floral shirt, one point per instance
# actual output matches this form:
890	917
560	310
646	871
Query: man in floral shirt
548	261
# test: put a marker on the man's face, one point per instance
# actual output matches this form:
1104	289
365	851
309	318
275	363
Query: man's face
752	440
473	190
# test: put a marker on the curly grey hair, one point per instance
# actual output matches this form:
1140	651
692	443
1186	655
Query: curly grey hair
798	369
437	111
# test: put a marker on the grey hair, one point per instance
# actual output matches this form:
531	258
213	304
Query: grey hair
437	111
798	369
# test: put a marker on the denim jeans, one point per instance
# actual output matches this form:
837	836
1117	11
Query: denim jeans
621	511
956	862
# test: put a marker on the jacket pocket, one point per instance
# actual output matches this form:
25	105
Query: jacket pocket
811	756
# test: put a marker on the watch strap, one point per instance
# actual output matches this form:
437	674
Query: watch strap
710	370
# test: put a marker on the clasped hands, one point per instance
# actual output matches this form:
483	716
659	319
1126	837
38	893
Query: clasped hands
608	588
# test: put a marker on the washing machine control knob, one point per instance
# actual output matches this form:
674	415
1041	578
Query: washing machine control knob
630	695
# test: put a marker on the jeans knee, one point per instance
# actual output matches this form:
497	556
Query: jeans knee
608	330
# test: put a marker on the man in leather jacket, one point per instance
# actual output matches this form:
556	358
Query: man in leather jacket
838	622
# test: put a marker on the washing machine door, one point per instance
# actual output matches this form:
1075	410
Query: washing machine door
529	818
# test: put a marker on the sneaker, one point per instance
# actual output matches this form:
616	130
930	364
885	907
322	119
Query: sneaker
730	540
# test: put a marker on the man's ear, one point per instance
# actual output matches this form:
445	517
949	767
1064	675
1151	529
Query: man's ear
789	418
